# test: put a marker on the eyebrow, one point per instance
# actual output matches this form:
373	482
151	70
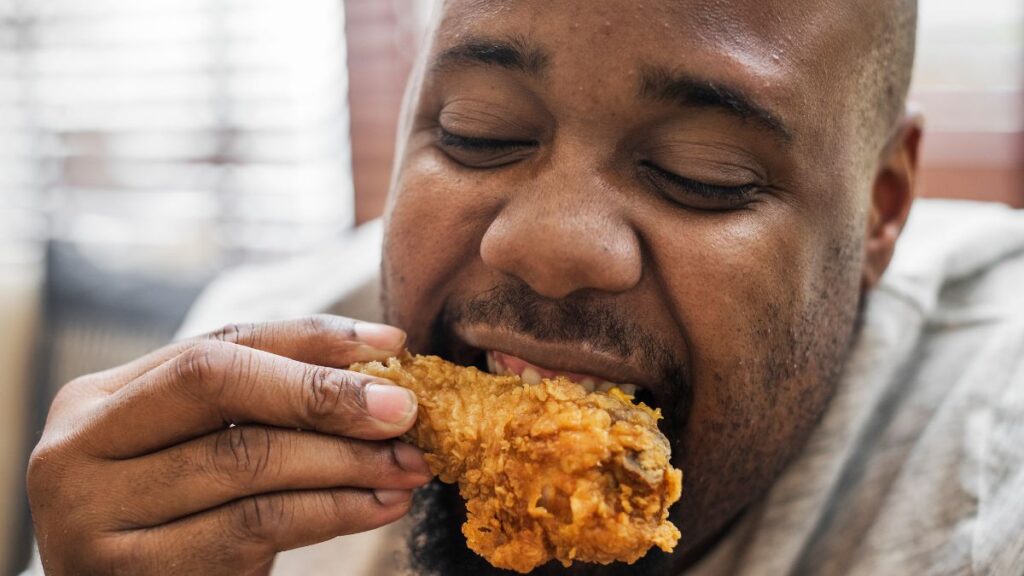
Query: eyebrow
512	53
690	91
517	54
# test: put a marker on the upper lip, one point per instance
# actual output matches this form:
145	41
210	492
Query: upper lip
576	357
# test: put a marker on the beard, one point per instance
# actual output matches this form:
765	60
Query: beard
436	545
590	320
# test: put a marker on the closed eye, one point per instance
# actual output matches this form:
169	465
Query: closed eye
697	194
701	188
476	152
472	143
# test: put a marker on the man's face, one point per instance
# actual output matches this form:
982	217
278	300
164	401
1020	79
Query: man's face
667	195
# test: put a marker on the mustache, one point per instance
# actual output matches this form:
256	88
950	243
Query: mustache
584	318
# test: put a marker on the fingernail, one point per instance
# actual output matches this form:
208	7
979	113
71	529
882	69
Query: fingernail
380	336
410	458
392	497
391	404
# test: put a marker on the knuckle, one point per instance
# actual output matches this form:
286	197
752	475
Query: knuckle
43	468
195	364
51	464
372	456
242	453
328	391
231	333
258	336
69	392
320	324
258	518
332	505
200	367
77	383
315	325
346	453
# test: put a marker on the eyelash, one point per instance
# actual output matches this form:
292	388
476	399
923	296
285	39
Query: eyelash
446	138
702	189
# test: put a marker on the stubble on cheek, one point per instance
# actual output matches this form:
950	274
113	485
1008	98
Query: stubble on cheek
767	400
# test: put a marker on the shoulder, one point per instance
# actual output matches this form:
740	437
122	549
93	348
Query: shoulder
949	448
917	466
971	246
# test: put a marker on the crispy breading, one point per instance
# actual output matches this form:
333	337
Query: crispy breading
547	471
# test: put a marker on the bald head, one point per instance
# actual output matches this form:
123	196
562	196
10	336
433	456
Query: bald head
881	61
886	70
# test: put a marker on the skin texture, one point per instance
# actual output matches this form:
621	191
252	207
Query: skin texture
585	247
138	471
752	304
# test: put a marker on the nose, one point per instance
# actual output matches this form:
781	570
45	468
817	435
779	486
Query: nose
561	239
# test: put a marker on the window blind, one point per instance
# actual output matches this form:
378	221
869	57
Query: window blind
206	132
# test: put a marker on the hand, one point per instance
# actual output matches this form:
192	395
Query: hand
212	455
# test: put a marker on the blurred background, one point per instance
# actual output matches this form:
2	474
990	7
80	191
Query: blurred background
146	145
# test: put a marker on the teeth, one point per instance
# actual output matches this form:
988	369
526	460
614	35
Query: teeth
531	376
495	366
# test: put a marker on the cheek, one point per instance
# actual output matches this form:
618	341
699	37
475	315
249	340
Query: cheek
733	277
748	291
433	231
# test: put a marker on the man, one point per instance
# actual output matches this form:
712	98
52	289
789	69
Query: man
697	197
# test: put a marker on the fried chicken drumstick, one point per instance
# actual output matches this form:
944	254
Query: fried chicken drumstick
548	471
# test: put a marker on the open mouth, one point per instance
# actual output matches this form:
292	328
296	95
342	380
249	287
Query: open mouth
502	364
500	351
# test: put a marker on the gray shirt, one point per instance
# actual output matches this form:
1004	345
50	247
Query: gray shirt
917	466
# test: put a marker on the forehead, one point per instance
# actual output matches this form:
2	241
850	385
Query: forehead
795	58
776	26
793	55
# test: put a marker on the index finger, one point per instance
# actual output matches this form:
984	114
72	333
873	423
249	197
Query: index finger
321	339
215	384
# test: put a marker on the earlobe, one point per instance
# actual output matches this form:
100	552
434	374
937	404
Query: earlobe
891	197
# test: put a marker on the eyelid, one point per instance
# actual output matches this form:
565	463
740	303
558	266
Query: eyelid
482	153
475	114
446	138
736	163
698	195
701	188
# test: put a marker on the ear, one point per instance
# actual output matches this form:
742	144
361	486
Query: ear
891	197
